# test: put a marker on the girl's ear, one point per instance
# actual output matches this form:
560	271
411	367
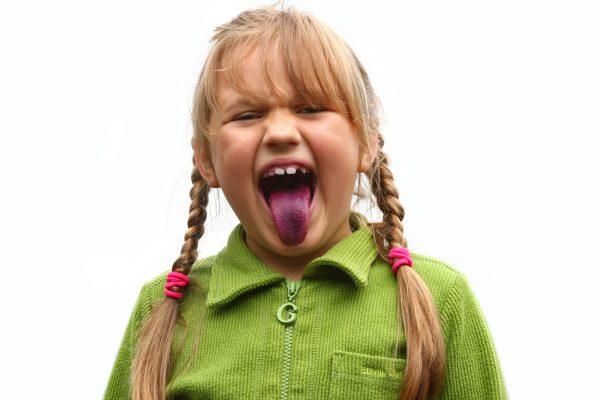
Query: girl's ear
204	164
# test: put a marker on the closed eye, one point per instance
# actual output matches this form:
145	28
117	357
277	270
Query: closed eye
310	110
246	117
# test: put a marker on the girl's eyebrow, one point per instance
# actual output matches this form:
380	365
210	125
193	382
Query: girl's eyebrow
238	102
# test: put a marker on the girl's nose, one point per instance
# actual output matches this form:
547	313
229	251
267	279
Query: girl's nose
281	129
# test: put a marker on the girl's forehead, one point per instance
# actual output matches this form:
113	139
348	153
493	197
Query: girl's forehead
255	76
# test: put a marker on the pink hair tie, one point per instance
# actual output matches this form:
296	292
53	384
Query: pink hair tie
175	280
399	256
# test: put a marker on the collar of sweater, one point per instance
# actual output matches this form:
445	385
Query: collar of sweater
236	270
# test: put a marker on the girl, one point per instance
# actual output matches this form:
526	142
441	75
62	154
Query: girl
307	300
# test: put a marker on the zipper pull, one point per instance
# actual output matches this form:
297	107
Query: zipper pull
288	312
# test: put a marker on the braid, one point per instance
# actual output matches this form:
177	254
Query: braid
390	231
424	374
196	219
151	366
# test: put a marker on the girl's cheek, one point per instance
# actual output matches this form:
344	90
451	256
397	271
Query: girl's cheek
236	153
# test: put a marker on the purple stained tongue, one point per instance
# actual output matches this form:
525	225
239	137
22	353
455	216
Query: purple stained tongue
289	208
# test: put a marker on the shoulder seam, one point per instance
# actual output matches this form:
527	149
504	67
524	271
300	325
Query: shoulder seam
458	279
435	261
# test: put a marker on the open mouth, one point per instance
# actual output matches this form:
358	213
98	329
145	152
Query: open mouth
286	179
289	192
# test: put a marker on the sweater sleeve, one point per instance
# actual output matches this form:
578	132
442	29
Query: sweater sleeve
119	382
472	366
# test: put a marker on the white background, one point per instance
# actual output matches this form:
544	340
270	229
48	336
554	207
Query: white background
492	123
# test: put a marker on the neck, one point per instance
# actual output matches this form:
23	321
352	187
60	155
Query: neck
292	267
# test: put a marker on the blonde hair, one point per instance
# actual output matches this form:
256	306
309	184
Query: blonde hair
325	72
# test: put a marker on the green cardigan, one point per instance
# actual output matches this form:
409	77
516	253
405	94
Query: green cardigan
237	341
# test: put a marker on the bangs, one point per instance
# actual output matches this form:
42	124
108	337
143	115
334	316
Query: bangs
307	56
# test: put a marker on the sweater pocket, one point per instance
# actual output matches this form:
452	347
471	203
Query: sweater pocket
362	376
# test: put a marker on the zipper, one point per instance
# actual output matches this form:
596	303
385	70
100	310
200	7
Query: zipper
287	313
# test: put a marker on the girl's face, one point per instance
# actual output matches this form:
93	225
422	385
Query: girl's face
289	219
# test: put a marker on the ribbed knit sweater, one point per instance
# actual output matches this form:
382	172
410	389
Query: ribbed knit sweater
237	341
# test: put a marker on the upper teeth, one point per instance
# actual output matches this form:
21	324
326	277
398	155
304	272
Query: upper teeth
290	170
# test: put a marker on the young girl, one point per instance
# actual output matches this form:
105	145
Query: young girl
307	300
